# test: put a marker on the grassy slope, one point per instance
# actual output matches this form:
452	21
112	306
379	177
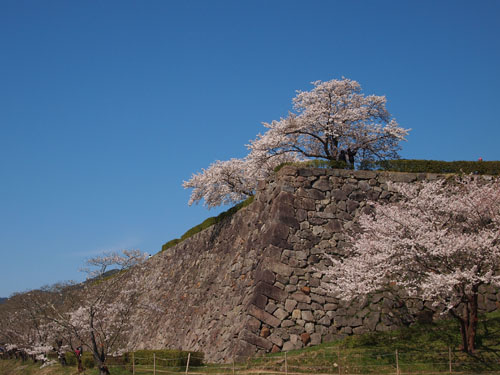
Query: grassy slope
425	346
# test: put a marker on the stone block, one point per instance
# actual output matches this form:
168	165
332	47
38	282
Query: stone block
264	332
255	340
276	340
301	297
253	324
309	327
278	267
317	298
271	307
305	338
280	314
270	291
315	338
263	316
264	275
290	305
307	316
259	300
335	226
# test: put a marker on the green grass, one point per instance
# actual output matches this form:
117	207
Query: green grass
208	223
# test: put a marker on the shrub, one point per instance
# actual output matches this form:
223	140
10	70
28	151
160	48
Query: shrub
87	359
438	166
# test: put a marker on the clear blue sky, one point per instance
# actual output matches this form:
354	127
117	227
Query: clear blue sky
107	106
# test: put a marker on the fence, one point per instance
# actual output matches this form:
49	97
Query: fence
331	361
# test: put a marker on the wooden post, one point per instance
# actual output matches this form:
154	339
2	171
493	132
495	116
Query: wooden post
133	363
154	363
338	358
449	356
397	363
233	366
286	365
187	363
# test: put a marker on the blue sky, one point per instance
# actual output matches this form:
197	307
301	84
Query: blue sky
107	106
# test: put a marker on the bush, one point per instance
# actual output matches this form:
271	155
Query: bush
409	165
208	223
438	166
87	359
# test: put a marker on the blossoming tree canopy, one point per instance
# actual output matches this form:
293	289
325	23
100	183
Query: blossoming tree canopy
334	121
231	181
440	243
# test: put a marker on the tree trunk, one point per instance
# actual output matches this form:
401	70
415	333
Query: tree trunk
468	322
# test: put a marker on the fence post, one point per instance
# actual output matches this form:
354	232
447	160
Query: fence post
397	362
187	363
233	366
133	363
154	363
286	365
338	358
449	356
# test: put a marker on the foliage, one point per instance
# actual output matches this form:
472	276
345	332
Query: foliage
333	121
440	243
491	168
207	223
231	181
87	359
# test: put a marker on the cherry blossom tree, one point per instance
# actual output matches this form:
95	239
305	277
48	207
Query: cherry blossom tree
333	121
231	181
95	314
440	243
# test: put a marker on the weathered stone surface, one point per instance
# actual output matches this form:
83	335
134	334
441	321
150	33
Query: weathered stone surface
280	314
322	184
306	338
263	316
270	291
259	300
315	338
335	226
264	332
307	316
296	314
290	305
264	275
278	267
253	324
301	297
255	340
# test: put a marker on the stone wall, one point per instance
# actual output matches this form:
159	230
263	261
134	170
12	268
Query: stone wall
253	283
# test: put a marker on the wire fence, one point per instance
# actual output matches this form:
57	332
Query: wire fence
331	361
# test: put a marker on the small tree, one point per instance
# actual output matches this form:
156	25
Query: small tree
333	121
440	243
94	315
